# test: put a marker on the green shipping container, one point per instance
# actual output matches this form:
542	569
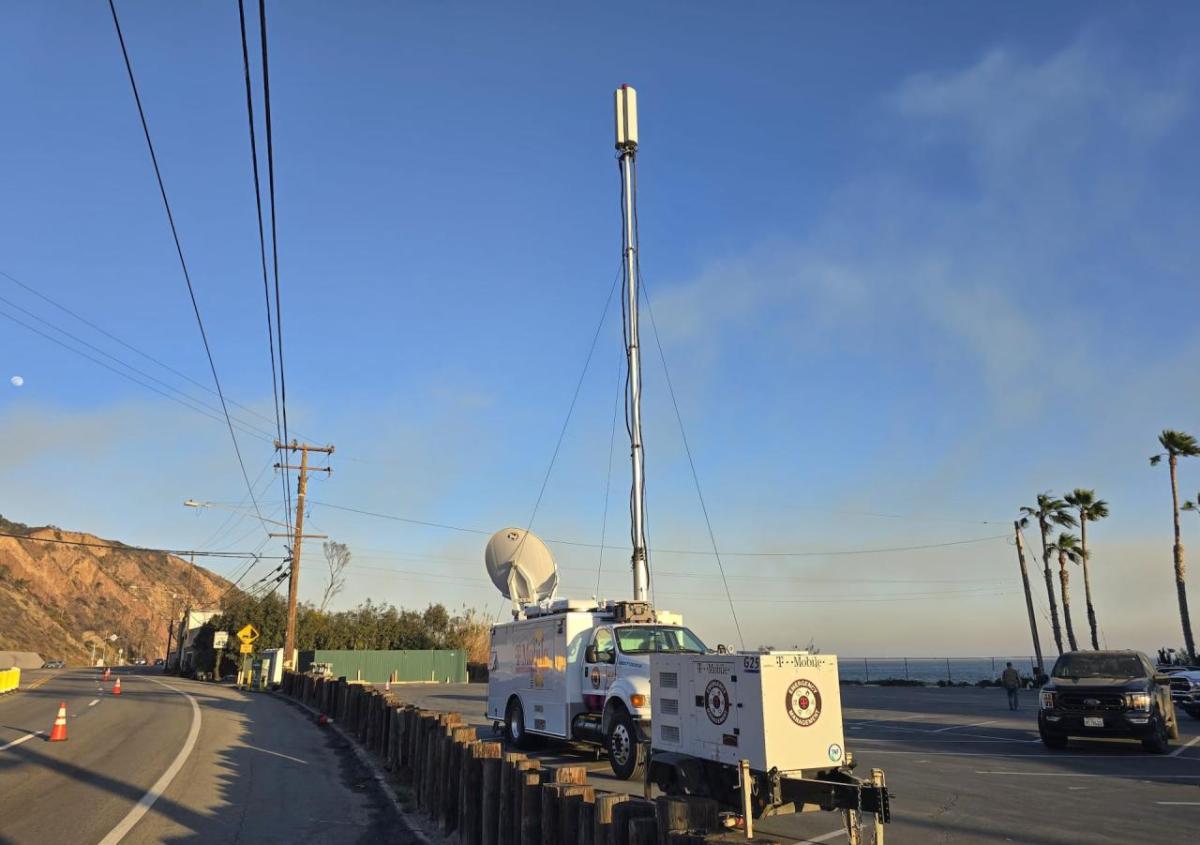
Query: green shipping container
442	666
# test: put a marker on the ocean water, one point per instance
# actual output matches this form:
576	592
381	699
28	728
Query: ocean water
930	669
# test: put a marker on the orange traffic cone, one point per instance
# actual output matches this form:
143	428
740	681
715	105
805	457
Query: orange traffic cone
59	732
117	686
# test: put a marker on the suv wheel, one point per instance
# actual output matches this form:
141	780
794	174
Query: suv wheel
1052	740
1158	742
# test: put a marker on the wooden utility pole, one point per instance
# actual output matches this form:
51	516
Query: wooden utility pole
1037	645
297	537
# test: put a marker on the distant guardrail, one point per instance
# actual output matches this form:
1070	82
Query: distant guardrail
931	670
10	680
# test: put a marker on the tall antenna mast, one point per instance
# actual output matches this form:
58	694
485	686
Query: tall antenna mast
627	135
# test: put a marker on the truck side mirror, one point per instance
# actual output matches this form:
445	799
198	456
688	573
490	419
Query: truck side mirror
589	653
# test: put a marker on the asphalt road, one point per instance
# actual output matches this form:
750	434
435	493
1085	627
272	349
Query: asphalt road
231	767
962	768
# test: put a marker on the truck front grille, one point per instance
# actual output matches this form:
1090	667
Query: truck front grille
1181	685
1083	702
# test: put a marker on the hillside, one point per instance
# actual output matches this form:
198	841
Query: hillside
56	598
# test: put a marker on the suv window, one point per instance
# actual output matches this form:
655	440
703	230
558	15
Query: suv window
1099	665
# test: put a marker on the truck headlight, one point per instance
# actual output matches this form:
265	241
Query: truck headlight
638	700
1138	700
1047	700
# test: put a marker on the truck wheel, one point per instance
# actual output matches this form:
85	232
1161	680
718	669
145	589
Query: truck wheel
514	725
1052	740
625	754
1158	742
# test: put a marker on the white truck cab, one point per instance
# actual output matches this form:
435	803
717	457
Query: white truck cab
580	670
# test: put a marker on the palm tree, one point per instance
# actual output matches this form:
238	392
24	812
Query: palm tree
1178	444
1050	510
1067	547
1090	509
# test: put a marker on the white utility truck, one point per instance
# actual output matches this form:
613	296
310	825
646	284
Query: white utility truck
571	669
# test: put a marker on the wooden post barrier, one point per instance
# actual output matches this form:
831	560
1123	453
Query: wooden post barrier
461	737
531	807
571	800
643	831
550	814
686	813
603	829
585	830
508	778
470	830
443	752
624	814
492	768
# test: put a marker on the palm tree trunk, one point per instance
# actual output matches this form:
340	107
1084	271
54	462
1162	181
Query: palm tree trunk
1054	626
1063	577
1087	582
1180	585
1037	643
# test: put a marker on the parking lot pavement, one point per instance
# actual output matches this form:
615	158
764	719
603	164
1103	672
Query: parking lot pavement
962	768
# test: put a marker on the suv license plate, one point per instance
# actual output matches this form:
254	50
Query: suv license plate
1093	721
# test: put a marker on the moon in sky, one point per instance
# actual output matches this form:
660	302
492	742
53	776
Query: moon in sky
17	381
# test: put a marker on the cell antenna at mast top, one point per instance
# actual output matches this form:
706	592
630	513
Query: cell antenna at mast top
626	113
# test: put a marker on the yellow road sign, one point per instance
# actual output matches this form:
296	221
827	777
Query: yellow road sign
246	648
248	634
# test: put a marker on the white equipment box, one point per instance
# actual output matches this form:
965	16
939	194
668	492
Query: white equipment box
777	709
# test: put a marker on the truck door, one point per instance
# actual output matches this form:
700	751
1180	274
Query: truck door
599	667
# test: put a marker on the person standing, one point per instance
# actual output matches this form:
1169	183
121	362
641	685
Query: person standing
1010	679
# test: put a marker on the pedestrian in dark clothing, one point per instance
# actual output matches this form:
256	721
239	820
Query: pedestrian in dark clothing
1010	679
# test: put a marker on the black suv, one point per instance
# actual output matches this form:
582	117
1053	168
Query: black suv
1107	693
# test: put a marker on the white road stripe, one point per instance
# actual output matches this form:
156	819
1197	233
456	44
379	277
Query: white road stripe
18	741
93	702
133	816
1184	748
825	837
975	725
1179	803
276	753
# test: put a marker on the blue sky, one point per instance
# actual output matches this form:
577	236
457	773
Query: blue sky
914	261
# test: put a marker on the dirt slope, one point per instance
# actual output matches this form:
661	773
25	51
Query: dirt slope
55	598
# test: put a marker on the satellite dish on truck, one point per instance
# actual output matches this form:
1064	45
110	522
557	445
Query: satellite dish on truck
521	566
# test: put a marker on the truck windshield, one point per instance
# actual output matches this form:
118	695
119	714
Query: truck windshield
644	639
1098	666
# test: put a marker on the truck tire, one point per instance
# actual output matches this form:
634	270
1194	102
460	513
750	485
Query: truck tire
515	735
626	755
1053	740
1159	741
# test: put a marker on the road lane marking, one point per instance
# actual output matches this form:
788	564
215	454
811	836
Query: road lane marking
18	741
276	753
825	837
1184	748
160	786
1179	803
975	725
93	702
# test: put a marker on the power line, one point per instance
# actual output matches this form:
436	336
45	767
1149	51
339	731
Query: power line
162	189
244	426
266	73
262	248
123	343
693	552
